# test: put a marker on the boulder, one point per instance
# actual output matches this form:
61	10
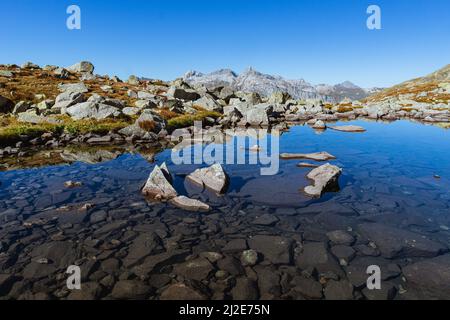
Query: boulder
188	204
134	131
133	80
73	87
6	105
61	73
68	99
150	121
158	187
258	115
6	74
82	67
213	178
318	156
279	97
87	110
319	125
399	243
131	111
325	179
32	117
30	65
145	104
208	103
183	94
21	106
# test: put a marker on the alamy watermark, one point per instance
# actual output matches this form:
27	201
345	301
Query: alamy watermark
74	280
73	22
374	20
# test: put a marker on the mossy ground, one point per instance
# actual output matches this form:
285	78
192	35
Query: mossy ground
188	120
12	130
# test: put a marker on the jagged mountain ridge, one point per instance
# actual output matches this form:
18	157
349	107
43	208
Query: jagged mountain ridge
265	84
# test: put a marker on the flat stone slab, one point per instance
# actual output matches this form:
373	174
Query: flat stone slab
348	128
306	165
318	156
399	243
430	279
189	204
275	249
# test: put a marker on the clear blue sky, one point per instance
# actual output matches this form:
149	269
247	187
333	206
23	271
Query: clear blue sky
321	41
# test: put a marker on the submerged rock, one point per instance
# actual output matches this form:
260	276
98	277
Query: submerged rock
318	156
325	179
348	128
249	258
130	289
306	165
157	186
213	178
430	279
398	243
181	292
277	250
188	204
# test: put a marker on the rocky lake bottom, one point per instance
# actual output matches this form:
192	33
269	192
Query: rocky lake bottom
264	238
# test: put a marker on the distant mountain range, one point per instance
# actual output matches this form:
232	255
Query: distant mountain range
265	84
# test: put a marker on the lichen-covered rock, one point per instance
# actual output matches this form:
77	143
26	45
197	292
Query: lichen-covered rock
87	110
213	178
82	67
158	187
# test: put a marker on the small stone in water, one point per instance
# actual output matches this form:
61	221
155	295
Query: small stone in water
249	258
437	176
72	184
43	261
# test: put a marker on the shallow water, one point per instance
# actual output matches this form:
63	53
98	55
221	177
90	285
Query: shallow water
394	162
397	174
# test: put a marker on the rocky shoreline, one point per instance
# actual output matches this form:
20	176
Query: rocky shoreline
85	108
